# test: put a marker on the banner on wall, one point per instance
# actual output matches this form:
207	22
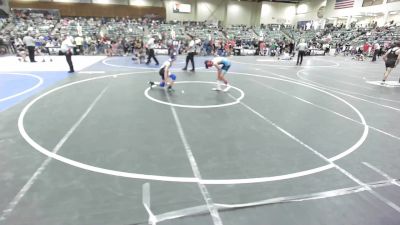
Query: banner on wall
372	2
321	12
47	13
343	4
181	8
4	8
304	25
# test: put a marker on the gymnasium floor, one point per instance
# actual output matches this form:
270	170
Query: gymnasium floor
317	144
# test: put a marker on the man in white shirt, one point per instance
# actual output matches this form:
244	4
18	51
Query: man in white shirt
377	49
67	48
191	52
30	44
79	29
79	42
150	47
302	47
173	34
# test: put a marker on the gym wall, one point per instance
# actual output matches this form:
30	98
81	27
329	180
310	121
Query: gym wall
92	10
277	13
245	12
4	6
383	11
229	12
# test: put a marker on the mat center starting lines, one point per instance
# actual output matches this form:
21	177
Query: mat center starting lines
147	94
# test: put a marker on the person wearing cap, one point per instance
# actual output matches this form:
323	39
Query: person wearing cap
191	52
167	79
222	65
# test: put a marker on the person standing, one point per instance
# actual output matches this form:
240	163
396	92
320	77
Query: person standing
262	48
79	45
377	49
222	65
125	46
30	44
392	59
302	46
291	48
365	48
150	46
191	53
67	48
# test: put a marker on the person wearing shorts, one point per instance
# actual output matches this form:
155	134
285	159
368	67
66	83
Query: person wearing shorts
392	59
222	65
167	79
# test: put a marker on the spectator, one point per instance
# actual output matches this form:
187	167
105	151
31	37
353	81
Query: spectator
20	47
291	47
377	49
78	50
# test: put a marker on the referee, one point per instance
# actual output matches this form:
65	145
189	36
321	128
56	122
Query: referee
150	46
191	53
67	48
30	44
302	47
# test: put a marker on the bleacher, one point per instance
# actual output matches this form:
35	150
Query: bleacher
115	29
3	23
241	33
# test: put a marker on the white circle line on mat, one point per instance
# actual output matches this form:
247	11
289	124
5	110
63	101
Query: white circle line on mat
146	93
37	85
87	167
335	64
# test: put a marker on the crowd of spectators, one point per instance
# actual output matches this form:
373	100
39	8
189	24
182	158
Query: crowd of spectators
123	36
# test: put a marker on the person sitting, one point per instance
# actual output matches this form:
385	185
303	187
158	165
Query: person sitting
359	57
140	56
21	52
285	56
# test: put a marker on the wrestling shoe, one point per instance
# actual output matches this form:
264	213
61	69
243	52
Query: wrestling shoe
227	88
